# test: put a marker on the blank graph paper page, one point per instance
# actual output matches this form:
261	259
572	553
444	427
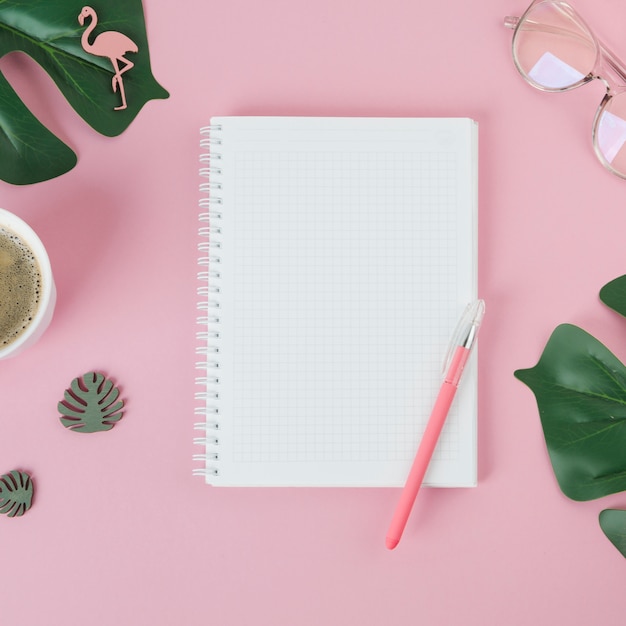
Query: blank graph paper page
345	254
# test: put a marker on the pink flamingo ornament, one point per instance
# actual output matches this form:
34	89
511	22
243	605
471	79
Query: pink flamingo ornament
110	44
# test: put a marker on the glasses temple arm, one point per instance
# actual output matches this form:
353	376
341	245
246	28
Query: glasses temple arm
613	61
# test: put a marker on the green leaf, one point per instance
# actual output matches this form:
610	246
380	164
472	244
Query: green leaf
16	493
580	387
613	294
613	524
29	152
51	34
91	404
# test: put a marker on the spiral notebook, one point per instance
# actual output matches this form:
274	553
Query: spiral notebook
337	255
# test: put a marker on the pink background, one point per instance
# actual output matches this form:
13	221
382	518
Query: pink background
120	532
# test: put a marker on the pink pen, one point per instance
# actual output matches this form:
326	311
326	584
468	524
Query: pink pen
463	341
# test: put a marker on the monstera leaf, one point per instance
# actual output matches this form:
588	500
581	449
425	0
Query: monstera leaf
613	295
16	493
97	56
613	524
580	387
91	404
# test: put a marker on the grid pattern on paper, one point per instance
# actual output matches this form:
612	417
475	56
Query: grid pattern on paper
345	291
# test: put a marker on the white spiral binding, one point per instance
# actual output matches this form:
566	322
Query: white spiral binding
208	320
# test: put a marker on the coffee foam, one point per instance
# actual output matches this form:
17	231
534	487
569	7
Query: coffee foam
20	286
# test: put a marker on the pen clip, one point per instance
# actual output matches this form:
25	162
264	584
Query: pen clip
466	330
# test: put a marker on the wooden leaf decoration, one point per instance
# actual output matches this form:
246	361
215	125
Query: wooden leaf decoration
16	493
91	404
580	387
62	37
613	524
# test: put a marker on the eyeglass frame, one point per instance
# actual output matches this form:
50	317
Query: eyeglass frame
606	59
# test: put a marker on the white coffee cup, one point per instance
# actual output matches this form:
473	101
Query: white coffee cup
45	309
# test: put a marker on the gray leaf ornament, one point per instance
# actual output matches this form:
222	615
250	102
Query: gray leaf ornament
16	493
91	404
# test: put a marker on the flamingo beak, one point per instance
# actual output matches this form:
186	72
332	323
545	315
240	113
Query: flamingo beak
81	19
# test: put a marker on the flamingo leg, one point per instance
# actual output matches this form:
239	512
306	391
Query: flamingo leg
117	79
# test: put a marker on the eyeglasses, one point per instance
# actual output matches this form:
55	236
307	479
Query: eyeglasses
554	50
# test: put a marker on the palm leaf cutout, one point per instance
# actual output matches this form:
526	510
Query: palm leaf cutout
580	387
52	34
91	404
613	524
16	493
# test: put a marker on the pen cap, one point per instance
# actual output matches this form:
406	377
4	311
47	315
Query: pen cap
466	330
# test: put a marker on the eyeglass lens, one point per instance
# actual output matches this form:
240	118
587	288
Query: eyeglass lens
553	48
